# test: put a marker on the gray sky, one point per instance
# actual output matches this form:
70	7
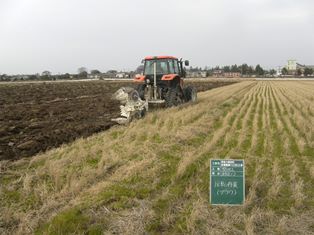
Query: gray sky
63	35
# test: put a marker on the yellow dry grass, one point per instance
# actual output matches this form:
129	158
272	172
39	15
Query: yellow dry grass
153	176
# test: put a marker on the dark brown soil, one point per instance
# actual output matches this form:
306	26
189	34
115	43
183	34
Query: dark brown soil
35	117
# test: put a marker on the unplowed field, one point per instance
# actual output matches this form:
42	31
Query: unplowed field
152	177
35	117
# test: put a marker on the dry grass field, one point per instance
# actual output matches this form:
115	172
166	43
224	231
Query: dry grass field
152	176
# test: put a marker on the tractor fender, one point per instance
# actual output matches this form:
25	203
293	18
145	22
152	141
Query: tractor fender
139	78
173	79
169	77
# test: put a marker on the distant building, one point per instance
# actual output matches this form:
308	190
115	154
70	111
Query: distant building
122	75
232	75
303	67
109	74
219	73
196	74
203	74
19	77
94	76
279	71
293	67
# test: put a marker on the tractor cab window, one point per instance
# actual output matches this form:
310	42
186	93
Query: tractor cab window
161	67
176	67
173	67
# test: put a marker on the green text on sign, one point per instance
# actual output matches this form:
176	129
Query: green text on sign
227	182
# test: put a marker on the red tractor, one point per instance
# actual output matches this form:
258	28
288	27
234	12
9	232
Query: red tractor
162	81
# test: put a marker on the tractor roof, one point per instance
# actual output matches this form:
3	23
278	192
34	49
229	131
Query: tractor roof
160	57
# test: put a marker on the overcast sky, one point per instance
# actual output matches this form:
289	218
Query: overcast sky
63	35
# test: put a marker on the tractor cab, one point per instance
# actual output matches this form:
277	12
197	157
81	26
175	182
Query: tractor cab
165	65
162	83
164	68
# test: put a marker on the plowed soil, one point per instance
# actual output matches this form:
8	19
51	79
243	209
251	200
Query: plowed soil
35	117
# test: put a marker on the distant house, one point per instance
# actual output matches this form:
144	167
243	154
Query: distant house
94	76
111	73
232	75
19	77
203	74
120	75
218	73
196	74
191	74
303	67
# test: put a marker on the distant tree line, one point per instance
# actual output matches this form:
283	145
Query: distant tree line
306	72
244	69
82	73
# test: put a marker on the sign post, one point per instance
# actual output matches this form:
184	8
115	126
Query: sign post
227	182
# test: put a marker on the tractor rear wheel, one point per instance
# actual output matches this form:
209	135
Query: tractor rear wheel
173	96
190	94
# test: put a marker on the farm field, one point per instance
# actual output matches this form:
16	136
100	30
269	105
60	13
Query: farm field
153	176
35	117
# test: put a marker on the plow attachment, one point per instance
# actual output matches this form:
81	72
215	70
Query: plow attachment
132	106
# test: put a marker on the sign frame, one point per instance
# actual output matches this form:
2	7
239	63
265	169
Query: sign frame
210	182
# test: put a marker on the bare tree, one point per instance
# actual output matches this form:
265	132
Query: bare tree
81	70
46	73
95	72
